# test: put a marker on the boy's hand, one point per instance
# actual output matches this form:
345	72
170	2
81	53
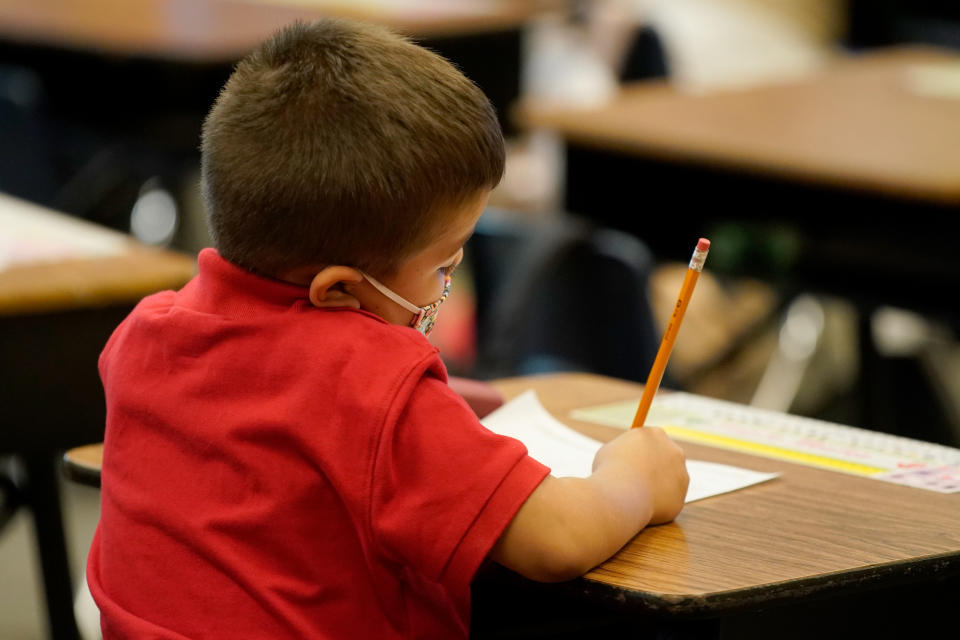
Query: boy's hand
648	459
569	525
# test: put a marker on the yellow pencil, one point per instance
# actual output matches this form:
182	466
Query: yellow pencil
670	335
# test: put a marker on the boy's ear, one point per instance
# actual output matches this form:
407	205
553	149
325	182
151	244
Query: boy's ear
327	287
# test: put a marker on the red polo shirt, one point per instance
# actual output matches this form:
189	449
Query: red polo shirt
274	470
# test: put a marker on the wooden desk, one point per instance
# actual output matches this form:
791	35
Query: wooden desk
55	317
859	168
133	79
77	265
855	125
808	530
774	560
83	464
224	30
810	536
64	285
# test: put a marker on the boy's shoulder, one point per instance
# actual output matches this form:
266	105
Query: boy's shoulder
275	320
363	342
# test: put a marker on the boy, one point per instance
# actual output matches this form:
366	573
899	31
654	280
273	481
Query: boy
283	457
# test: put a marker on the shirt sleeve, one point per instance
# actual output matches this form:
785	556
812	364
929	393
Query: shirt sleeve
445	487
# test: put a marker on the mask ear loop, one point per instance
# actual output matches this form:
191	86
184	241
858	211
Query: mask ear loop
400	301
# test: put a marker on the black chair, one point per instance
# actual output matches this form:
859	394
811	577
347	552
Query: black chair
26	168
561	295
882	23
9	499
645	58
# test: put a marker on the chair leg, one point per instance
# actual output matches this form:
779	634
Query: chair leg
42	493
9	499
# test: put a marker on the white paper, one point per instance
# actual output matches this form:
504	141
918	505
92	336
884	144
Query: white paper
570	453
565	451
938	80
711	479
792	438
33	234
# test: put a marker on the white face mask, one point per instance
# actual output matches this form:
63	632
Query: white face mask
424	317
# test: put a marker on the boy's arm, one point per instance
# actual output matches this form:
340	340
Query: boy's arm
569	525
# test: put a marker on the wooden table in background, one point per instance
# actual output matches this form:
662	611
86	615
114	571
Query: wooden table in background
779	558
857	124
218	30
859	160
55	317
844	182
174	55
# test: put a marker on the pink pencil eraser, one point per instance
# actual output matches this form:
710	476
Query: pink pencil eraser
703	244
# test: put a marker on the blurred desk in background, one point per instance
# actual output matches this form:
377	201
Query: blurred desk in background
117	90
222	31
52	263
64	286
856	167
844	182
481	36
225	30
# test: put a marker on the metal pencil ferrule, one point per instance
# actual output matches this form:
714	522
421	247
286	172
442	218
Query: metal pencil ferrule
699	257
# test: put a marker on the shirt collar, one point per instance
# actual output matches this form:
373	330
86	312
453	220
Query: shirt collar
223	287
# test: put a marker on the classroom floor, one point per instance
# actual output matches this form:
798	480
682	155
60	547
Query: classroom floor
22	612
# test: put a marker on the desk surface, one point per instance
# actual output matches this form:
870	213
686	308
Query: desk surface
809	531
859	123
216	30
98	268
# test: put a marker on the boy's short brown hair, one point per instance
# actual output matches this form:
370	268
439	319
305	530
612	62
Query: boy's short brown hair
339	142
